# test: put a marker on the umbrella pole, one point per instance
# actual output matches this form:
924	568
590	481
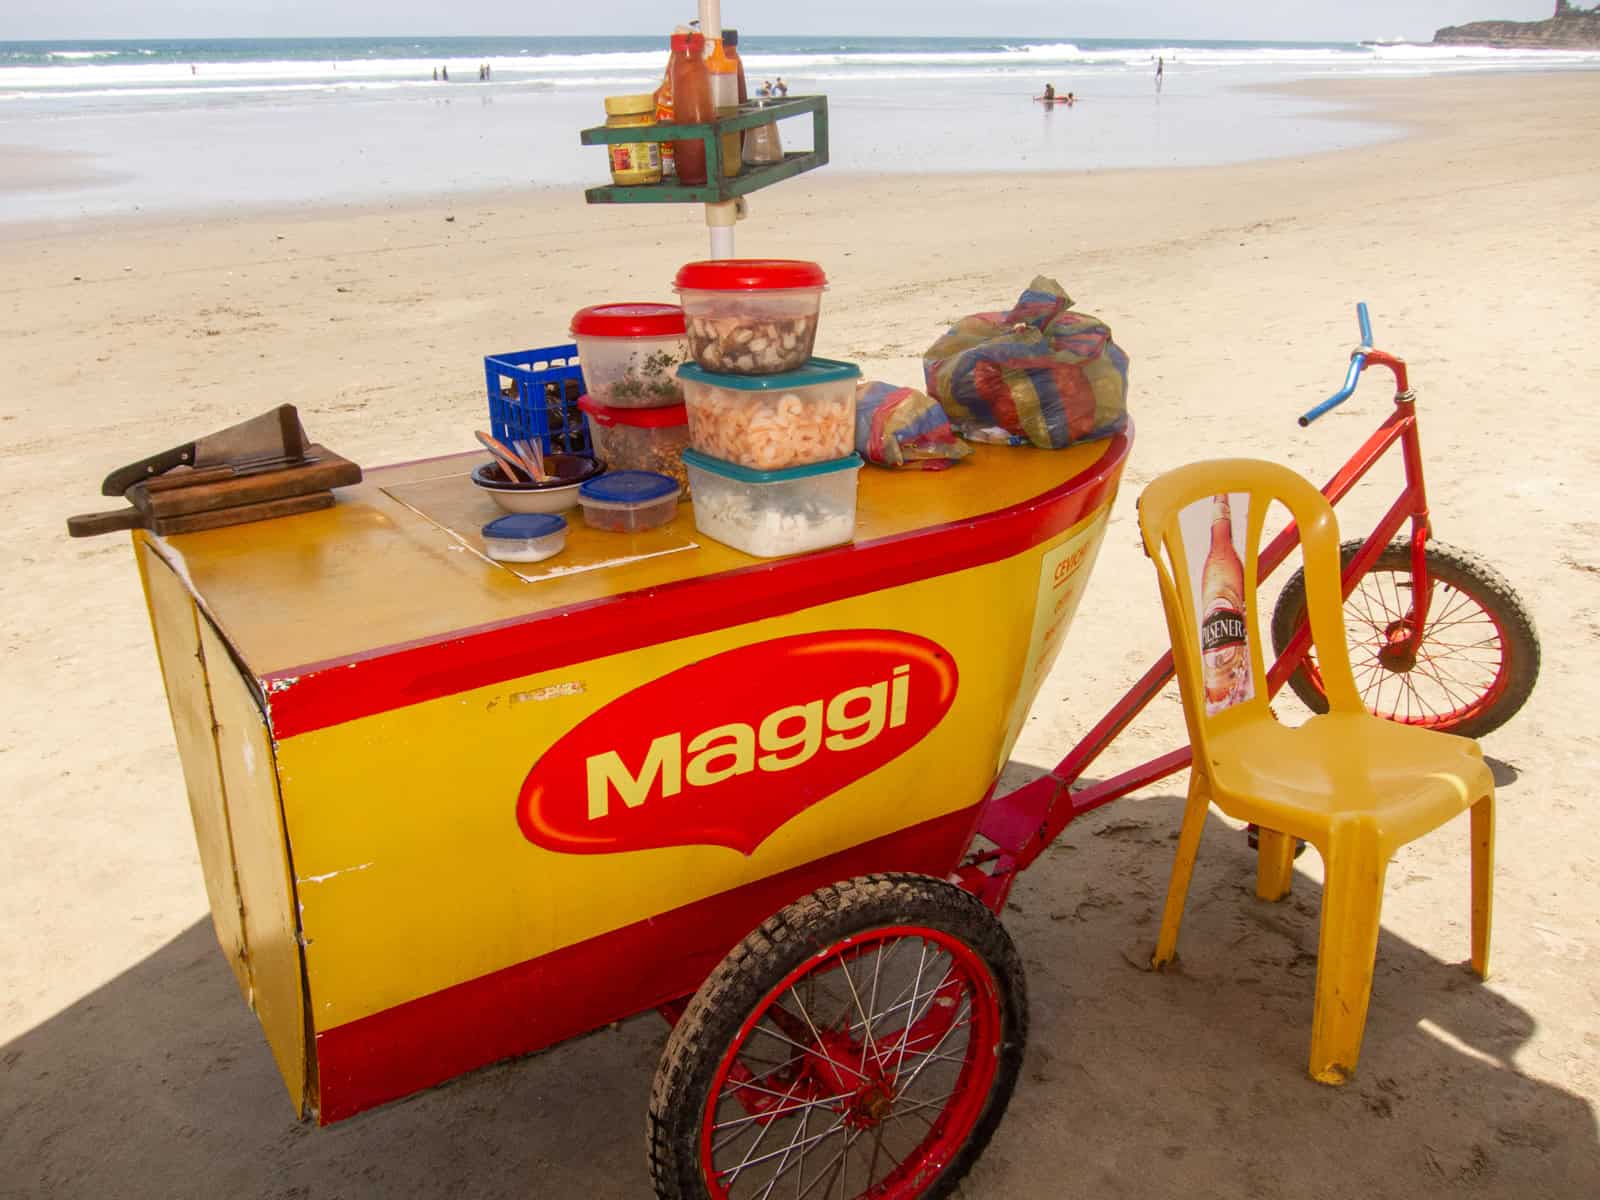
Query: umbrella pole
720	217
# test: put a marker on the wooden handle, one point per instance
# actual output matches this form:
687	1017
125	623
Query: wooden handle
93	524
123	478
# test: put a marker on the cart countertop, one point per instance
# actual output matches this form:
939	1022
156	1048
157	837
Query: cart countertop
393	564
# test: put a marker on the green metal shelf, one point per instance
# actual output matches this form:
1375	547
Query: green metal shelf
718	187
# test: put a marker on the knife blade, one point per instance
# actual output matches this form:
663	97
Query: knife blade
274	437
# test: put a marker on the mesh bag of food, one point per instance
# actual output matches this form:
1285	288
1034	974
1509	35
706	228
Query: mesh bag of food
1040	371
902	427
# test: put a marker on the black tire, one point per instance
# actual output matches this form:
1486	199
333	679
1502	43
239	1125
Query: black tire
824	940
1489	677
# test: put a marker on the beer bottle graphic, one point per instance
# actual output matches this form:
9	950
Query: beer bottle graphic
1224	648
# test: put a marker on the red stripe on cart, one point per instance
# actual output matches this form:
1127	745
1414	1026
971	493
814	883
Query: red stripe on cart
545	1000
323	694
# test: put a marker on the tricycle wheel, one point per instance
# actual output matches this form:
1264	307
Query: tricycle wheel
1474	666
862	1042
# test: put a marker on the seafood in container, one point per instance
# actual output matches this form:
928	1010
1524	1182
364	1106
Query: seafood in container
771	513
768	422
751	316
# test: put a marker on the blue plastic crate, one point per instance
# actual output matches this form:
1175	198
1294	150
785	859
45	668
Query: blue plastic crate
534	394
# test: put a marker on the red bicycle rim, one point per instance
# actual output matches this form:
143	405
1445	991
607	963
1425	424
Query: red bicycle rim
871	1097
1460	667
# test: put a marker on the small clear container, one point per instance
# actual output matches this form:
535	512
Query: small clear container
771	513
630	352
629	501
751	316
639	439
769	422
525	537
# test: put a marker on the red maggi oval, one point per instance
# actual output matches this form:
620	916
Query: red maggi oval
727	750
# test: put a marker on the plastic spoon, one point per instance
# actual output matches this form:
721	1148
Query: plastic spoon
513	467
533	455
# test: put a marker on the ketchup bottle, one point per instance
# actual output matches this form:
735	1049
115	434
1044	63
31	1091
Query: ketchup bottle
691	104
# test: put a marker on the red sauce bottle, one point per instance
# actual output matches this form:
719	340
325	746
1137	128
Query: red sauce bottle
691	103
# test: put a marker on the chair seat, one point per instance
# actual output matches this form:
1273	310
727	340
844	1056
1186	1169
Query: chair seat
1300	780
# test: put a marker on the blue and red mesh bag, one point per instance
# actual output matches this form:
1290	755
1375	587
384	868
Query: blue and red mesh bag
902	427
1039	371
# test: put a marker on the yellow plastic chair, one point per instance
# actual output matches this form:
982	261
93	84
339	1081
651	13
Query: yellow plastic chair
1354	786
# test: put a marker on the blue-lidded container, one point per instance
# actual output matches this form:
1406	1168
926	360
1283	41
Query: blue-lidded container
772	422
525	537
771	513
628	501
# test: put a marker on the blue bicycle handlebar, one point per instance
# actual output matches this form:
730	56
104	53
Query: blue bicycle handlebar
1358	360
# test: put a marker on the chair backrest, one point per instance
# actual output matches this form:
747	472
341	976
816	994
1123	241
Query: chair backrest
1206	552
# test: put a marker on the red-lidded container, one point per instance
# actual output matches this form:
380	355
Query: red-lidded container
639	439
630	353
751	316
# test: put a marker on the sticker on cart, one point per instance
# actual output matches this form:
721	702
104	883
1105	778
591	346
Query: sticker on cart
728	750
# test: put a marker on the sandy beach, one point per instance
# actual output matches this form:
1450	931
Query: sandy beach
129	1065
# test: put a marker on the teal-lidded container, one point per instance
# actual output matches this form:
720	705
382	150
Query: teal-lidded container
773	422
772	513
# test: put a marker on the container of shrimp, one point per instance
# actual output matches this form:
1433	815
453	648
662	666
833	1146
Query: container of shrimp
770	513
751	316
629	353
769	422
639	439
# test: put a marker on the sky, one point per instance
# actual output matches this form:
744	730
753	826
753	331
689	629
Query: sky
1282	20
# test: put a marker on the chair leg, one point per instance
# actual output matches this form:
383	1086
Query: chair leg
1274	864
1352	900
1482	882
1194	823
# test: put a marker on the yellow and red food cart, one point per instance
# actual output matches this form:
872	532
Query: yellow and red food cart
451	810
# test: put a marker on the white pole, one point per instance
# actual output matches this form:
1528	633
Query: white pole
719	217
711	18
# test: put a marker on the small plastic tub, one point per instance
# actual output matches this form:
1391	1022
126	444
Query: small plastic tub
751	316
629	353
639	439
769	422
525	537
770	513
628	501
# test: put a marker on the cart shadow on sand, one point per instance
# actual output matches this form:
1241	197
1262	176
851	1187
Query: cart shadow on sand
1189	1083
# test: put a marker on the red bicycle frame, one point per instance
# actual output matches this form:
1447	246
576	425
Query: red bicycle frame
1021	824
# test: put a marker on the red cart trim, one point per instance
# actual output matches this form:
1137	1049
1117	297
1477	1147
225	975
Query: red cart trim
323	694
545	1000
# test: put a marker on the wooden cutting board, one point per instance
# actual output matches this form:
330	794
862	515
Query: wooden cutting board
173	497
187	501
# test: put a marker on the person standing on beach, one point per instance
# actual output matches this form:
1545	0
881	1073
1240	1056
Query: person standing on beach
780	88
1161	64
444	74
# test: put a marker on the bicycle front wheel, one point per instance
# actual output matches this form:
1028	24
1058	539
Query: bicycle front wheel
1474	667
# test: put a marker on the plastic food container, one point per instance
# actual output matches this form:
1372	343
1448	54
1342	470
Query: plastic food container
639	439
629	353
628	501
768	513
525	537
769	422
751	316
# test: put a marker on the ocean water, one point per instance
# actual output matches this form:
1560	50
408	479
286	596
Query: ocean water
110	128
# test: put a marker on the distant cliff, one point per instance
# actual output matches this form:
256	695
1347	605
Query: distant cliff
1570	29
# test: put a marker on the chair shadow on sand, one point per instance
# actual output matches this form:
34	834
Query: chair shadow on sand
1187	1083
